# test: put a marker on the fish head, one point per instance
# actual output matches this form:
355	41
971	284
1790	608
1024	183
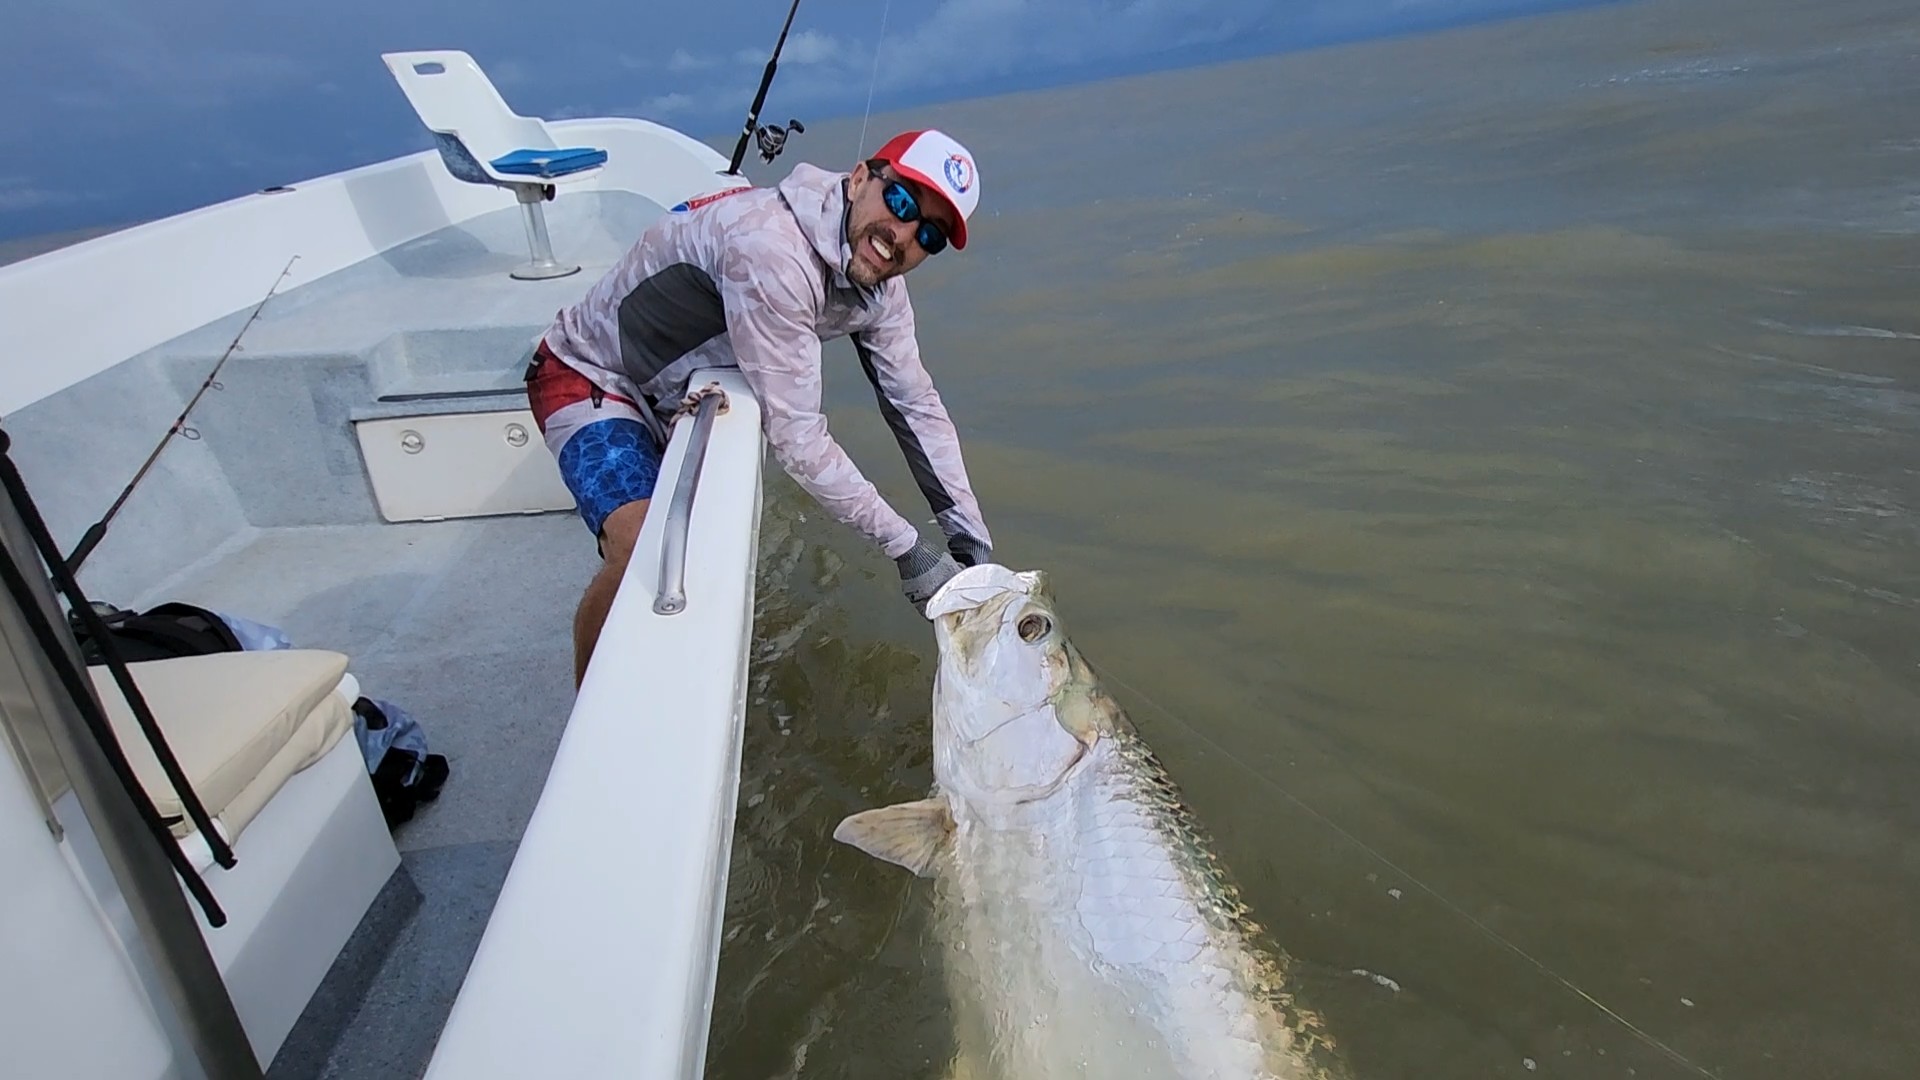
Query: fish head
1009	726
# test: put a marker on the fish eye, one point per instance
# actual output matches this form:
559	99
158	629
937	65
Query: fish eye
1032	628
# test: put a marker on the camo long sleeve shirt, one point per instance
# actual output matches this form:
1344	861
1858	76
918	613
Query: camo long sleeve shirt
755	278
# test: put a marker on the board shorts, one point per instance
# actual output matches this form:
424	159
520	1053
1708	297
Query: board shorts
606	453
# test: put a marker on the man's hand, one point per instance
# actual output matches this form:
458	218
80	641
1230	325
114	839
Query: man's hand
967	551
922	571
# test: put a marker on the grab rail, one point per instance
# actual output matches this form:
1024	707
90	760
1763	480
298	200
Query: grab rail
628	975
671	596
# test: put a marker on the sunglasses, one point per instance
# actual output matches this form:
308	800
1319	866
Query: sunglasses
905	207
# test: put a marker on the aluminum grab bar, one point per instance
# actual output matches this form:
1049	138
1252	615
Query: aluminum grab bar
670	598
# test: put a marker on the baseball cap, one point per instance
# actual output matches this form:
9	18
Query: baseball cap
936	162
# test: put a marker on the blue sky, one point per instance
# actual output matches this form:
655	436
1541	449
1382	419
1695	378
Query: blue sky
120	110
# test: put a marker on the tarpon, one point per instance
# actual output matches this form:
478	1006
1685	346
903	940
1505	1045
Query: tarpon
1088	929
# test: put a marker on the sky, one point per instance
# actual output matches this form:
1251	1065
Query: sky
125	110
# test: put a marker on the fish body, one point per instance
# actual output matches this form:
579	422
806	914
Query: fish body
1088	929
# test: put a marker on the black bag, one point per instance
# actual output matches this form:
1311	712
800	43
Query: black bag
404	773
159	633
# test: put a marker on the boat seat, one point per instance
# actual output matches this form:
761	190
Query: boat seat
241	724
549	164
482	141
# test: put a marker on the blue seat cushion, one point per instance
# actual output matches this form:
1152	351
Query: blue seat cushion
548	164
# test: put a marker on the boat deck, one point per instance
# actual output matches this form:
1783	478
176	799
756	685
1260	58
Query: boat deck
465	623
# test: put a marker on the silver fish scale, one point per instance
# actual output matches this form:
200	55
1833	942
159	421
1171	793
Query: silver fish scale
1157	902
1110	877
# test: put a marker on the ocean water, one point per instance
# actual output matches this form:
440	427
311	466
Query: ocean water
1490	460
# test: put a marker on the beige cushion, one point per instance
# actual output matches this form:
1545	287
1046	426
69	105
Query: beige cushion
239	723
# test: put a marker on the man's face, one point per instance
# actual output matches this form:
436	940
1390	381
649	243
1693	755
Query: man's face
883	245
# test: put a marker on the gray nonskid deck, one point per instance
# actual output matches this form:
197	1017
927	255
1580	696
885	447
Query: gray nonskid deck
467	626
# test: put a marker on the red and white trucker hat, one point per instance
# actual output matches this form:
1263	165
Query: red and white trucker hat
938	163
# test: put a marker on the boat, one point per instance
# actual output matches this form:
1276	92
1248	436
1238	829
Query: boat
340	363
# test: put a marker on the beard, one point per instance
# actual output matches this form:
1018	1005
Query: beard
860	268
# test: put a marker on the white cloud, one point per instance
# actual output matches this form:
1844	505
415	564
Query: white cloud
813	47
668	104
682	60
804	49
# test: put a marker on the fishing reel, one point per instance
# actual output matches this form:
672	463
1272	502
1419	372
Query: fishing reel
772	138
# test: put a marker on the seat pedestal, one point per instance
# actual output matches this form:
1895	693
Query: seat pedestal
543	264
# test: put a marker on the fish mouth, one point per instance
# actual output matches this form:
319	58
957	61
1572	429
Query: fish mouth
974	601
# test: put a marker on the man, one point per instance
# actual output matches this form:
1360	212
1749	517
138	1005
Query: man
759	278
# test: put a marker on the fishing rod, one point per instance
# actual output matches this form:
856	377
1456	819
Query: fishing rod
98	531
772	139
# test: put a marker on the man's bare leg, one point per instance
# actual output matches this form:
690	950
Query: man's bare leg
620	529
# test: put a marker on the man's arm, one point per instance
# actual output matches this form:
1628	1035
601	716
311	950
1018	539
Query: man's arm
770	311
890	355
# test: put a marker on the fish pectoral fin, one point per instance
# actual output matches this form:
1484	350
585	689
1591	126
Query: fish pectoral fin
908	834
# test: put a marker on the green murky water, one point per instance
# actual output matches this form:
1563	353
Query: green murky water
1505	443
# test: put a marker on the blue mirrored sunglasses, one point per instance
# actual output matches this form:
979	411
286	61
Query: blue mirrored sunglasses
905	207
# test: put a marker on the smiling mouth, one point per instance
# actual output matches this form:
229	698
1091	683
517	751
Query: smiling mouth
881	249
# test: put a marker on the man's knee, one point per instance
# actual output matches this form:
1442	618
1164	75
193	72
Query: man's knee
620	529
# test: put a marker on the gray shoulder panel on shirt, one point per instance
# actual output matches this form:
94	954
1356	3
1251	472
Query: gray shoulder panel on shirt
667	315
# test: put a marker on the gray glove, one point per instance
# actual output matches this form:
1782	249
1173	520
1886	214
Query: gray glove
967	551
922	571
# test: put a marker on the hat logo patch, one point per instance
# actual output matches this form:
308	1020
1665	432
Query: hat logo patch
959	173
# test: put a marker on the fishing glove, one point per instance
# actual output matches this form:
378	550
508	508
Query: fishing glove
922	571
967	551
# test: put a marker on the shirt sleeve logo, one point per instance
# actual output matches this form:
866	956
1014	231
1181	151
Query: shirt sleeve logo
694	204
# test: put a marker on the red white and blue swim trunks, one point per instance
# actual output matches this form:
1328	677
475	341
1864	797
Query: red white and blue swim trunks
607	454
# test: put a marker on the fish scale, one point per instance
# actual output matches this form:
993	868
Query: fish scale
1122	887
1088	928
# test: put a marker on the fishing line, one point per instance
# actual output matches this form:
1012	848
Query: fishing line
1491	934
874	78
